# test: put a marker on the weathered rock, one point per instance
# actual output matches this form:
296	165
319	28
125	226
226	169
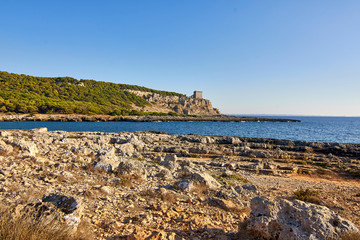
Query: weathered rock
106	190
164	173
128	144
184	185
29	147
5	148
207	140
132	167
283	219
250	187
171	165
227	205
56	206
107	160
64	203
125	149
172	158
39	130
185	163
202	177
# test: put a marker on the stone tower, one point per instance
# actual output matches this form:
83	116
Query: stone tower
197	94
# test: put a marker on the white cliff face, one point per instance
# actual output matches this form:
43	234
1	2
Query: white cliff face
180	104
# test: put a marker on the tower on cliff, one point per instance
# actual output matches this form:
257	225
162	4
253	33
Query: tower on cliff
197	94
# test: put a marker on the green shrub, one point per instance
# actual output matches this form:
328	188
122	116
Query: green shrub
307	195
28	94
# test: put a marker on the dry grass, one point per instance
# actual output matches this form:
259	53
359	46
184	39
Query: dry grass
14	227
31	194
14	187
127	180
350	236
200	189
61	178
168	197
165	196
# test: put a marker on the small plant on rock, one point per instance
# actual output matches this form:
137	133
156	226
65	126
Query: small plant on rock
225	178
307	195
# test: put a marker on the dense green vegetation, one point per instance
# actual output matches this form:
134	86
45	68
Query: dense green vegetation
28	94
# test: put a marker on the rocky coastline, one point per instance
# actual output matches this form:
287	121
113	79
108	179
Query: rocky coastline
108	118
154	185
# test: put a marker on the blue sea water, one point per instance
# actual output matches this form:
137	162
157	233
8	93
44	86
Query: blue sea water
322	129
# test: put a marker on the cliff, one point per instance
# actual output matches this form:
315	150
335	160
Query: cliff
178	104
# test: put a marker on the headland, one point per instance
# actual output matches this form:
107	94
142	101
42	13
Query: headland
139	118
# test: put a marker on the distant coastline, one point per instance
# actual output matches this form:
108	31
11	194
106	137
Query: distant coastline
109	118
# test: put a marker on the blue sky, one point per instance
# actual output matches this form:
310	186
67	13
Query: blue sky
248	57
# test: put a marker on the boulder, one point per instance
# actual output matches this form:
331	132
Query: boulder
283	219
172	158
29	147
132	139
64	203
107	160
184	185
207	140
5	148
125	149
132	167
61	207
185	163
39	130
164	173
201	177
171	165
227	205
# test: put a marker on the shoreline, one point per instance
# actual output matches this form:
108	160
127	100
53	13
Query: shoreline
108	118
148	182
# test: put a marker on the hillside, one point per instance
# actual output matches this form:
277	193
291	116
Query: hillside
29	94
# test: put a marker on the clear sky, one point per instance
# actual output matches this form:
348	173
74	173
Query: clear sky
248	57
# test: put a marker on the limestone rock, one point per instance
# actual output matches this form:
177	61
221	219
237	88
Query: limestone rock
5	148
125	149
171	165
57	206
283	219
107	160
202	177
179	104
227	205
133	168
184	185
29	147
164	173
39	130
172	158
64	203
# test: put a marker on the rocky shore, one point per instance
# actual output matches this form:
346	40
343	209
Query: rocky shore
153	185
108	118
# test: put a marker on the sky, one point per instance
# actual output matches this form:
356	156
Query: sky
248	57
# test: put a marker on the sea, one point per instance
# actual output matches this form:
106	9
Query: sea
313	129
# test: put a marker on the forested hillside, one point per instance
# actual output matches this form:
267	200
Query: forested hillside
29	94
